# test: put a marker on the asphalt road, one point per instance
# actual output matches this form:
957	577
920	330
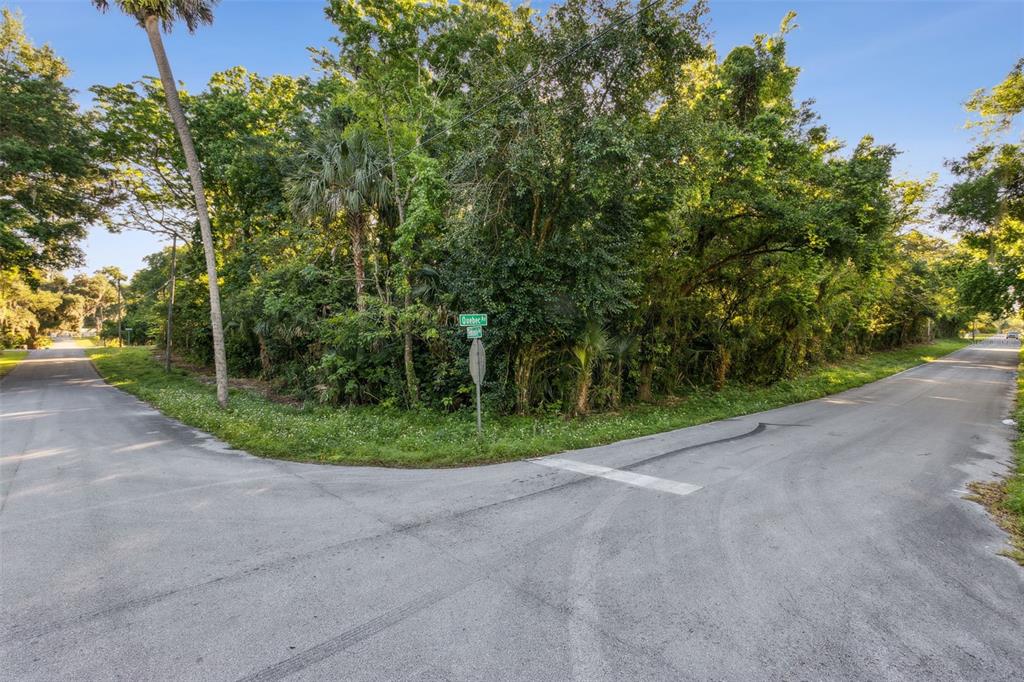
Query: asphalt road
822	541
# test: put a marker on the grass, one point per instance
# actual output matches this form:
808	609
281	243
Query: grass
1005	499
399	438
10	358
88	342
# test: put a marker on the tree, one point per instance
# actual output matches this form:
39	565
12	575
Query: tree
33	306
98	294
385	50
339	176
51	182
152	15
114	274
636	214
139	143
986	205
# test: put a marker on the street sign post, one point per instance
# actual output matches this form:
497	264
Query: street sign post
472	320
477	368
474	332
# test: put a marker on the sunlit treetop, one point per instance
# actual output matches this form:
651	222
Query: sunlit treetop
17	50
193	13
999	105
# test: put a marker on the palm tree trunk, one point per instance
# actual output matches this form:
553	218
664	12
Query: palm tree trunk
156	42
170	304
583	393
645	391
355	231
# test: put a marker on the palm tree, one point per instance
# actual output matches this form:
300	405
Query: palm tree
153	15
338	174
591	347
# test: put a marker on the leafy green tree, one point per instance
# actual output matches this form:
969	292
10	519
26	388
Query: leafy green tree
339	178
51	182
986	204
139	143
386	48
636	214
116	276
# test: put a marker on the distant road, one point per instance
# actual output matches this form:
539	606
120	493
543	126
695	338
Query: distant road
822	541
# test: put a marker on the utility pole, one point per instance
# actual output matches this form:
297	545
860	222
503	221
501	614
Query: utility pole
170	304
119	315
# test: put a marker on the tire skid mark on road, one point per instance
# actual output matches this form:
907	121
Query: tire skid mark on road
477	574
588	661
487	573
142	602
492	572
141	498
757	430
355	635
17	633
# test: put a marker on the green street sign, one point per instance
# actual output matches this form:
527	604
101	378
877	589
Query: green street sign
473	320
474	332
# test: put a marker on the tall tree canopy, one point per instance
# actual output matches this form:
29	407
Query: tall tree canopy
635	213
51	180
986	204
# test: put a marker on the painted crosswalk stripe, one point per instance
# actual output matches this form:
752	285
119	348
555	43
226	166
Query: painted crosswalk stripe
627	477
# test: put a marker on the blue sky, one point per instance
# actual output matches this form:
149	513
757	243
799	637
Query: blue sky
897	70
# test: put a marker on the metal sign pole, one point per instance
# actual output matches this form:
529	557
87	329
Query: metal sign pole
477	368
479	422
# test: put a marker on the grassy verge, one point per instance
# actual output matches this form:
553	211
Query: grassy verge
1005	499
88	342
10	358
391	437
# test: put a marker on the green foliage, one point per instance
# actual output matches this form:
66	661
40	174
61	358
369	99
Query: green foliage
386	436
191	12
1015	485
986	205
638	216
36	304
51	180
1004	498
9	359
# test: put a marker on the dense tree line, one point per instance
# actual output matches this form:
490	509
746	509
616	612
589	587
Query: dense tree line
986	204
634	211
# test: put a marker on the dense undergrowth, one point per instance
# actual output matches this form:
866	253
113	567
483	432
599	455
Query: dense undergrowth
376	435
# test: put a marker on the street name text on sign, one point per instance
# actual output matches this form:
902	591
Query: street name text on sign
473	320
474	332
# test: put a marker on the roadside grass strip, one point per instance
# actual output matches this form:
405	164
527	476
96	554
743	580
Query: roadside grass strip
387	436
9	359
1004	499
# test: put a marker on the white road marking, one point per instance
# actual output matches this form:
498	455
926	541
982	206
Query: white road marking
627	477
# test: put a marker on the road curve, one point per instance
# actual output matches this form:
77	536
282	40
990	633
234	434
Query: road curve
825	540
